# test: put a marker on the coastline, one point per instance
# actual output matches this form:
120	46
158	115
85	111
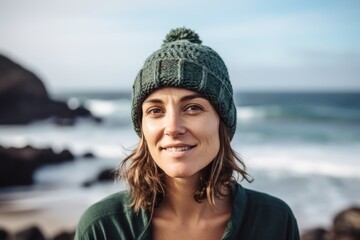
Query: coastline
56	212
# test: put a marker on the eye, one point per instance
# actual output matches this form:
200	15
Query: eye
155	111
193	108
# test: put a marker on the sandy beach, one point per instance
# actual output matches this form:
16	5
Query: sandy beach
50	221
52	210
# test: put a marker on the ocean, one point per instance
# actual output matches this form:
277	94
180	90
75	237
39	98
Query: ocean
301	147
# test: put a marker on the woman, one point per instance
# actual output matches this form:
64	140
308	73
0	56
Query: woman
181	175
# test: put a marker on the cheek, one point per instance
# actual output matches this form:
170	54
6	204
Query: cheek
214	142
148	127
213	136
209	127
150	130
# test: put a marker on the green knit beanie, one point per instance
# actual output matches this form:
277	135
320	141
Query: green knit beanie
183	62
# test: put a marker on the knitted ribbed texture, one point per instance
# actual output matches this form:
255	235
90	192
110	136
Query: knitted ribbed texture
183	62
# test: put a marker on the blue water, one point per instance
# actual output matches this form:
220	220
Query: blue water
301	147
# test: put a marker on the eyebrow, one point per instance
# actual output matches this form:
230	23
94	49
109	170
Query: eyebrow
183	99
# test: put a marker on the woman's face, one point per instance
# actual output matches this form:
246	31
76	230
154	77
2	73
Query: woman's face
181	129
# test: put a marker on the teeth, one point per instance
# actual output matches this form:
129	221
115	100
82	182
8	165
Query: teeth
177	149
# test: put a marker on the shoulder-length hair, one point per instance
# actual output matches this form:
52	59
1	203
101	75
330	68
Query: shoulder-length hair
146	180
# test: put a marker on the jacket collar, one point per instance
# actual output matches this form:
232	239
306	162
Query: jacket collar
142	229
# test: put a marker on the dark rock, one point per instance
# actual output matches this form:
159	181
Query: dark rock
106	175
15	171
65	236
314	234
18	83
88	183
88	155
17	165
4	235
24	99
346	225
31	233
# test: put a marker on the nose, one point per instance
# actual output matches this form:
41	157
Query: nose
174	124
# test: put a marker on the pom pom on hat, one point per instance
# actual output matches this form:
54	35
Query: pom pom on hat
182	34
183	62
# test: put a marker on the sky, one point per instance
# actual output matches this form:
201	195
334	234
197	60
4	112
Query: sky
267	45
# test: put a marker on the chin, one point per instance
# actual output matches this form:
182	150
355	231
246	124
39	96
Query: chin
180	174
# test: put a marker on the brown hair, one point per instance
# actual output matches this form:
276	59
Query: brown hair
146	179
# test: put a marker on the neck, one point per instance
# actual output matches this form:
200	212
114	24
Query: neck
179	200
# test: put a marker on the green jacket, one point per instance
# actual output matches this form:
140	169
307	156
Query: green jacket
255	216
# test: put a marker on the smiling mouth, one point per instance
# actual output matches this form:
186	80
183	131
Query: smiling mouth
178	149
